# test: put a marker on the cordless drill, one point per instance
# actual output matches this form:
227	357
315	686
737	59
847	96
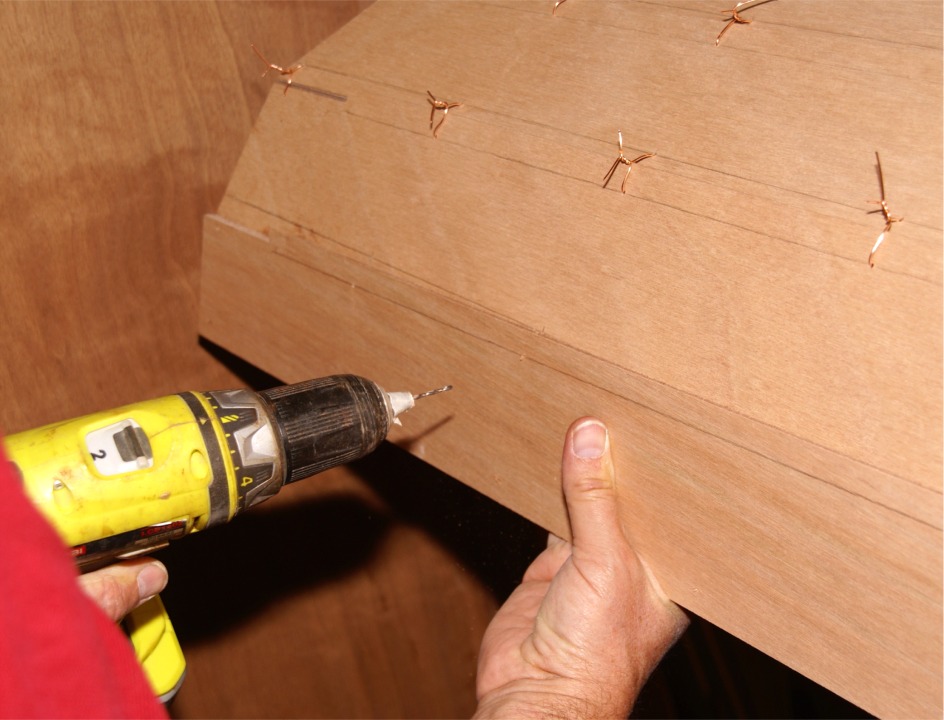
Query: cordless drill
124	482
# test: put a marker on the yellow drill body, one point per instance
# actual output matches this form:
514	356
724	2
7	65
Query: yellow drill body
74	473
123	482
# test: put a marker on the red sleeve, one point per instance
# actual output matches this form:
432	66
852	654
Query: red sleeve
60	654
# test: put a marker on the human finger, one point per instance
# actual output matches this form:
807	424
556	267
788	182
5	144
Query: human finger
120	588
590	488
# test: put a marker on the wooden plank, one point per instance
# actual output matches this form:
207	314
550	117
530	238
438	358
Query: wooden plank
783	400
742	539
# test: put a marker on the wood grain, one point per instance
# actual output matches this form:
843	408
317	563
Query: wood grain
122	125
779	401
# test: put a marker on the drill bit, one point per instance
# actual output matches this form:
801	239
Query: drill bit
400	402
444	388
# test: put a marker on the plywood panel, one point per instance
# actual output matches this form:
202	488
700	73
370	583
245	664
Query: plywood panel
780	400
122	123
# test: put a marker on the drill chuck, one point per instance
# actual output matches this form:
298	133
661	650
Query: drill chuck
327	422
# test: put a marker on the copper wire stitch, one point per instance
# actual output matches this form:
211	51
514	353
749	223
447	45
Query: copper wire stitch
622	159
883	208
735	16
278	68
439	105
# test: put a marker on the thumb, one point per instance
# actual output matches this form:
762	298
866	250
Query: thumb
590	488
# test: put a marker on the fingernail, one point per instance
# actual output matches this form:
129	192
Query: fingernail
151	580
590	439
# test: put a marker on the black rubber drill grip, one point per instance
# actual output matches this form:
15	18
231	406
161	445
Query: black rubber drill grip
327	422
